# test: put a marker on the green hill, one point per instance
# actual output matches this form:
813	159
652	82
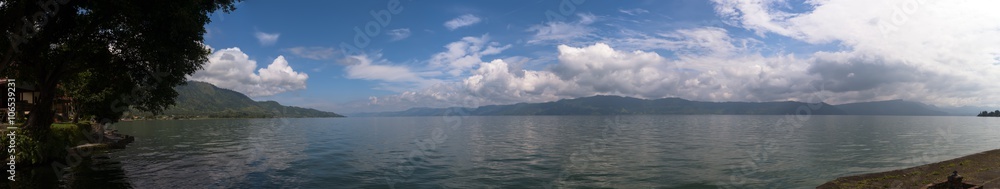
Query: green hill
200	99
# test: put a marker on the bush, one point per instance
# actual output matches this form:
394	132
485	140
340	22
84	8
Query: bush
53	146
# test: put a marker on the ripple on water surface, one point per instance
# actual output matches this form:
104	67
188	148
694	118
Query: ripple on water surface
528	151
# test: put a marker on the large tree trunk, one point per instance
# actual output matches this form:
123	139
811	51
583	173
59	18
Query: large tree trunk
40	119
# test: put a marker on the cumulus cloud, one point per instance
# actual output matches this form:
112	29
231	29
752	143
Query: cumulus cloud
462	21
601	69
495	81
267	39
710	66
398	34
583	71
232	69
954	42
315	53
559	31
938	52
842	72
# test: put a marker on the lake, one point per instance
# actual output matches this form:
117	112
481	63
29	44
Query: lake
657	151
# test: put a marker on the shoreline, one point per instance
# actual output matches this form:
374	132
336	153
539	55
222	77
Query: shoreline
65	139
981	168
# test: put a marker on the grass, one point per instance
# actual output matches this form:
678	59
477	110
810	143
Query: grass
66	125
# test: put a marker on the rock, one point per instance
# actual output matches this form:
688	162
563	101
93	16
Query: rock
954	181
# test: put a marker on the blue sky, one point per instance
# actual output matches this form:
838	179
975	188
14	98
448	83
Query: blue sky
471	53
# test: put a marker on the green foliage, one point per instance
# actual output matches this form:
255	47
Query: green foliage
989	114
135	51
34	149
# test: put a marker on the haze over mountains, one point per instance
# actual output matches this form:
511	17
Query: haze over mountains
617	105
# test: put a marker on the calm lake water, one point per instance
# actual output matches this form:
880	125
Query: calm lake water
709	151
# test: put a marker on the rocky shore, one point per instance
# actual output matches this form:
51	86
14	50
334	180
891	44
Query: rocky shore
111	140
980	169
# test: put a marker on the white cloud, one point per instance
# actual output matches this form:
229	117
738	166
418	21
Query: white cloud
956	43
433	96
754	15
315	53
939	52
361	67
462	21
466	53
593	70
393	77
459	57
398	34
232	69
633	12
705	41
558	31
267	39
710	66
495	82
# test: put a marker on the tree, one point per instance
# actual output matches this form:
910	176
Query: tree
995	113
136	51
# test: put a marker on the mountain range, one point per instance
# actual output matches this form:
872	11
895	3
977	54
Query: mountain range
617	105
200	99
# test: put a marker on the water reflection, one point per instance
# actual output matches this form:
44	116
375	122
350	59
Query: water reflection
96	171
524	151
219	153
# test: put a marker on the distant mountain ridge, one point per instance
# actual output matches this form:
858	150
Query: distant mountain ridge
200	99
617	105
890	107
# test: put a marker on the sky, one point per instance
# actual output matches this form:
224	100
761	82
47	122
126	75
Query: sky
390	55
